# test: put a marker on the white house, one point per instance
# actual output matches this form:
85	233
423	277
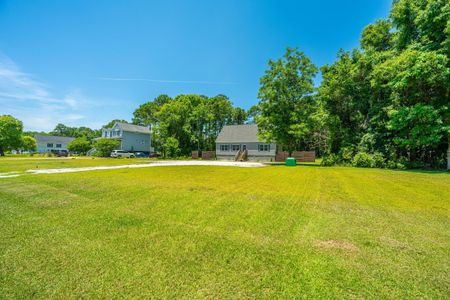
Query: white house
50	143
240	142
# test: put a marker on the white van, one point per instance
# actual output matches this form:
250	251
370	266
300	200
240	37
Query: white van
121	153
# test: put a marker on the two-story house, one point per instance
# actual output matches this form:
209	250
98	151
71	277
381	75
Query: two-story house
132	137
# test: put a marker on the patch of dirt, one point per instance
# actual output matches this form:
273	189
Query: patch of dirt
335	244
9	176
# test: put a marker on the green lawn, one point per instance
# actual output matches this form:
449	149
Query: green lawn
8	164
224	232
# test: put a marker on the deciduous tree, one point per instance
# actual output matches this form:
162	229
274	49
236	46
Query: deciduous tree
285	99
28	143
10	133
80	145
104	147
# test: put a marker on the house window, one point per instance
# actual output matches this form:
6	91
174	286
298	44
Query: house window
264	147
224	148
49	145
235	147
58	145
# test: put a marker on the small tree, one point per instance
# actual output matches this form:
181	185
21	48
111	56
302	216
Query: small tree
79	145
29	143
10	133
104	146
171	147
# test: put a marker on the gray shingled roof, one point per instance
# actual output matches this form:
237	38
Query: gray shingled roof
238	134
53	139
133	128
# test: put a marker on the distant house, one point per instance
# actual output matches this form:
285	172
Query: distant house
50	143
132	137
240	142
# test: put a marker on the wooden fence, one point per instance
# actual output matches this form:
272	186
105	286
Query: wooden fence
195	154
208	155
300	156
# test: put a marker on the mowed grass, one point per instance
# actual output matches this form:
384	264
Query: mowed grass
227	233
8	164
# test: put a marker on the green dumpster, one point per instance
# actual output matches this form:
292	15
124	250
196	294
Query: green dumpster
291	162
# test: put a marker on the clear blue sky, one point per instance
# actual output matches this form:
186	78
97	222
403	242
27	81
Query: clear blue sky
87	62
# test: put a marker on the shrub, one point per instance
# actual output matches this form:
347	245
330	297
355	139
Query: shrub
103	146
378	160
400	166
171	147
390	164
363	160
330	160
29	143
346	154
80	145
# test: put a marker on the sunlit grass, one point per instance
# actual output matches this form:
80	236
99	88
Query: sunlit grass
22	164
221	232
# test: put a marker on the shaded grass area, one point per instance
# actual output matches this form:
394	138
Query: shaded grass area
23	164
216	232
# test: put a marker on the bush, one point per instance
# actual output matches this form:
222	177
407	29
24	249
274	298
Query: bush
330	160
171	147
391	164
79	145
363	160
378	160
346	154
29	143
103	146
400	166
402	163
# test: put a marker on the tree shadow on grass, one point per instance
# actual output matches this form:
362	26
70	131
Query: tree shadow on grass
282	164
426	171
317	165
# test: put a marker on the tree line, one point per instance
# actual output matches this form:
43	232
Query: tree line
179	125
384	104
187	122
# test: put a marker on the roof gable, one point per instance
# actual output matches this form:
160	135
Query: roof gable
53	139
246	133
132	128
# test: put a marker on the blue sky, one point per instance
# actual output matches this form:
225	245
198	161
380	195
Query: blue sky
84	63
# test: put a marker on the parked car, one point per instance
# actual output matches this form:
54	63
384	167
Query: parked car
121	153
142	154
60	153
